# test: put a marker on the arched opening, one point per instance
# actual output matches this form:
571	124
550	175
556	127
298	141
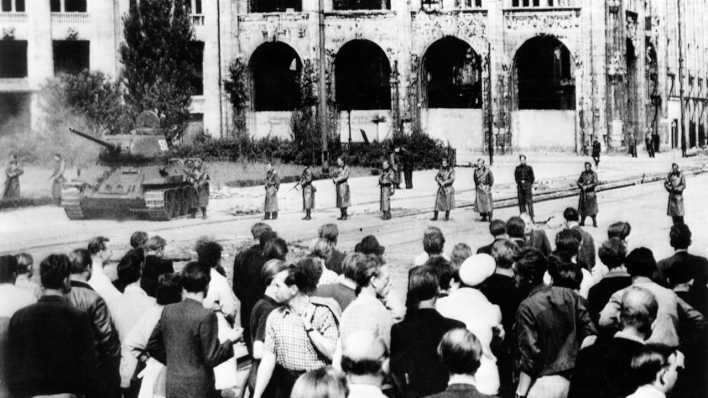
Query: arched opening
362	74
544	75
702	135
275	68
692	134
631	90
452	73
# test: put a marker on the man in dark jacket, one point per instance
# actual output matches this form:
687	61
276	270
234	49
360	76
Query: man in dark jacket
586	251
186	340
105	336
497	228
460	351
414	340
155	264
524	186
50	345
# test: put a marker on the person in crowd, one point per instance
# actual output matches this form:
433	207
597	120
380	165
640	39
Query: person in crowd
105	335
99	280
25	274
685	268
462	353
460	253
308	192
604	369
445	196
524	177
169	291
443	268
341	186
186	341
247	273
649	144
50	343
138	240
433	245
343	291
368	311
155	264
300	336
414	340
551	324
675	184
330	233
612	254
587	202
386	190
320	251
641	265
12	297
272	185
596	151
467	304
273	274
130	258
657	370
563	267
321	383
370	245
483	181
219	296
14	170
365	362
586	250
497	228
524	234
57	178
619	229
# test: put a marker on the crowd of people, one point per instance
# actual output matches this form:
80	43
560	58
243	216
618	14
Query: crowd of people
517	317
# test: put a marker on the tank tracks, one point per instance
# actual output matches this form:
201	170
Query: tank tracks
71	202
166	204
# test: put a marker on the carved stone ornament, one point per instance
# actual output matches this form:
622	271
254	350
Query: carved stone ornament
8	33
614	6
72	34
470	26
543	22
256	28
616	68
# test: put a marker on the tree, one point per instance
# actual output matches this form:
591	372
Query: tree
236	86
159	61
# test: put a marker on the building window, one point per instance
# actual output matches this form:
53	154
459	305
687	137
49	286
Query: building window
362	4
197	68
453	75
12	6
275	5
70	56
362	76
67	5
544	76
13	58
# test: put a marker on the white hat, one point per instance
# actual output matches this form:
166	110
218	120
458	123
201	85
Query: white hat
476	269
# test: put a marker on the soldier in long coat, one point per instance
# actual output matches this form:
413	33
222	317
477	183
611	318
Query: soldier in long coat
675	184
524	177
200	180
57	178
587	203
341	184
308	192
483	181
12	179
445	197
386	184
272	184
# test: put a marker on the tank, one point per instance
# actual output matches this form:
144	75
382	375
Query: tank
140	179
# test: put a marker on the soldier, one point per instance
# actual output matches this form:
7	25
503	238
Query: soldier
272	184
407	165
386	180
648	141
57	178
12	179
445	197
308	192
396	167
587	203
675	184
341	183
632	145
524	186
200	180
596	151
483	181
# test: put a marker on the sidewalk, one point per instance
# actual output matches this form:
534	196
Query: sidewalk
552	170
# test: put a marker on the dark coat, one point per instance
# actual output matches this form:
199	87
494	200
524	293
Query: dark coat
460	391
675	184
153	268
186	341
248	285
684	266
586	251
85	299
587	203
414	342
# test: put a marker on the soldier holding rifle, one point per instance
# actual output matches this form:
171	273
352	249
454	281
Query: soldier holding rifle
272	184
308	192
341	184
445	197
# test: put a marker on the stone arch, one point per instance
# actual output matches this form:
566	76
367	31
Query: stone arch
275	70
362	72
451	73
544	75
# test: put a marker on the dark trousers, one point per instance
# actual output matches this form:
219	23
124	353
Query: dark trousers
677	220
408	177
108	383
596	158
525	196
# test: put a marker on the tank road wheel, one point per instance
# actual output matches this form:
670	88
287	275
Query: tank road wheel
71	202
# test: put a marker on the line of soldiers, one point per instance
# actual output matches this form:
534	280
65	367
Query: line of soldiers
587	182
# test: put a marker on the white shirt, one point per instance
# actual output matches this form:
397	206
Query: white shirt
102	285
365	391
220	290
133	304
153	383
647	391
13	298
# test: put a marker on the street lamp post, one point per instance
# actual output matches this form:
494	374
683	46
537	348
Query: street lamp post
680	77
322	104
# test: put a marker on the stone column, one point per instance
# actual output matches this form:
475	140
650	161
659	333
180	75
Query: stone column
616	72
40	65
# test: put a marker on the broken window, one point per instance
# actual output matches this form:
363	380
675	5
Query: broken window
197	67
275	70
14	112
13	58
70	56
362	74
362	4
544	76
452	75
275	5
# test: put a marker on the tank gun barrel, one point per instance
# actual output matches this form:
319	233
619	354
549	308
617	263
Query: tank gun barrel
107	145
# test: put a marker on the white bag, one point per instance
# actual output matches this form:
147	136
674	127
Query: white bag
225	374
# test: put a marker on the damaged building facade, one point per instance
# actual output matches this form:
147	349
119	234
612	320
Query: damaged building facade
528	74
